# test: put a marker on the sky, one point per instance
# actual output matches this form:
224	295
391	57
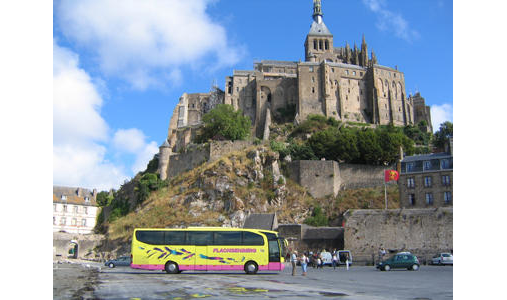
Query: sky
119	67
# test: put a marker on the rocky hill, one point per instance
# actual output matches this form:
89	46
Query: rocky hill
221	193
224	192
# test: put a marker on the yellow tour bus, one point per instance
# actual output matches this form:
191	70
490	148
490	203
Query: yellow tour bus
207	249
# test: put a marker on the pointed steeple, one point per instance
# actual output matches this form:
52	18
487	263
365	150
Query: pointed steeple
355	57
317	11
364	53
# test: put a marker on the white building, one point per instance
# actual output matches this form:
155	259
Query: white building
74	210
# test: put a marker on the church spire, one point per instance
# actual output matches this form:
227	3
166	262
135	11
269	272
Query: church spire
317	11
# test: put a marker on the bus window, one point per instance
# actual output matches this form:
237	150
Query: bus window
226	238
252	239
200	238
151	237
175	238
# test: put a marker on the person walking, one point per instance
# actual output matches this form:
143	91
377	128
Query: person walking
304	263
347	260
319	261
293	260
335	260
381	253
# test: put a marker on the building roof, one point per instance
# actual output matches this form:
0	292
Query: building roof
260	221
426	157
319	29
74	195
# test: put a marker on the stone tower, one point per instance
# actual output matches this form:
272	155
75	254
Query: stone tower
163	159
319	41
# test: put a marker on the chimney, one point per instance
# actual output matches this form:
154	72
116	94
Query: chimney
78	192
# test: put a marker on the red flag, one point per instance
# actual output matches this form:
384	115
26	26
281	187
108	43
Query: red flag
391	175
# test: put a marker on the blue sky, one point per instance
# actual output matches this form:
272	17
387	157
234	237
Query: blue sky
119	69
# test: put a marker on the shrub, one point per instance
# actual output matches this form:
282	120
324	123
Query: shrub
317	218
223	122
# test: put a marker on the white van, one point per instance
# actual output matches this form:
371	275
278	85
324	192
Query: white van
342	257
327	258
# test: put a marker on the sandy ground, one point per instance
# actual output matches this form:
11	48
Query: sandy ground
74	279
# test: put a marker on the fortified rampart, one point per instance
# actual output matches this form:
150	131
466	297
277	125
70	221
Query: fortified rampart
320	177
354	176
196	155
323	178
423	232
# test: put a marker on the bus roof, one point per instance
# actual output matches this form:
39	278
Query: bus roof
209	228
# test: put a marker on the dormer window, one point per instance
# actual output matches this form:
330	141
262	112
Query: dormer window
63	197
87	199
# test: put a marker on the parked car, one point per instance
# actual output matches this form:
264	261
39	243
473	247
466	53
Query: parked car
400	261
120	261
442	259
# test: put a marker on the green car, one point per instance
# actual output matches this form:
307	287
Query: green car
400	261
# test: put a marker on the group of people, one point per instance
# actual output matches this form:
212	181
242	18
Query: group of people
314	259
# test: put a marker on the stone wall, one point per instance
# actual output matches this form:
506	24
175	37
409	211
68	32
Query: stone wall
195	155
62	242
182	162
320	177
355	176
219	148
424	232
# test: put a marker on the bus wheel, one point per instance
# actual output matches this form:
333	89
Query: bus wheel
251	267
171	267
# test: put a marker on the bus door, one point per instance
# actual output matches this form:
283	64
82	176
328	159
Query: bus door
201	240
273	248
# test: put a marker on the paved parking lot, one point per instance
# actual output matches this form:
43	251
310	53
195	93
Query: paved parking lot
430	282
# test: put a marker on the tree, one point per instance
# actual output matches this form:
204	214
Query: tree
223	122
104	198
369	147
443	134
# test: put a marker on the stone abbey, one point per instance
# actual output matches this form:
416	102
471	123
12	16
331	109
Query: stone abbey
340	82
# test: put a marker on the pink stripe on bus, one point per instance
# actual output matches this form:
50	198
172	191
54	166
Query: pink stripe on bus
272	266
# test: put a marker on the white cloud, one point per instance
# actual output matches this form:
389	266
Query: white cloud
390	21
440	114
80	135
76	102
140	40
132	141
129	140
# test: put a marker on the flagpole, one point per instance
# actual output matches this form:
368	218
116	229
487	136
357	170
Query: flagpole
385	192
385	188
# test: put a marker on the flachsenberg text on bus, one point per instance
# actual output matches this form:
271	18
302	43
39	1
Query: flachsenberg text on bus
207	248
